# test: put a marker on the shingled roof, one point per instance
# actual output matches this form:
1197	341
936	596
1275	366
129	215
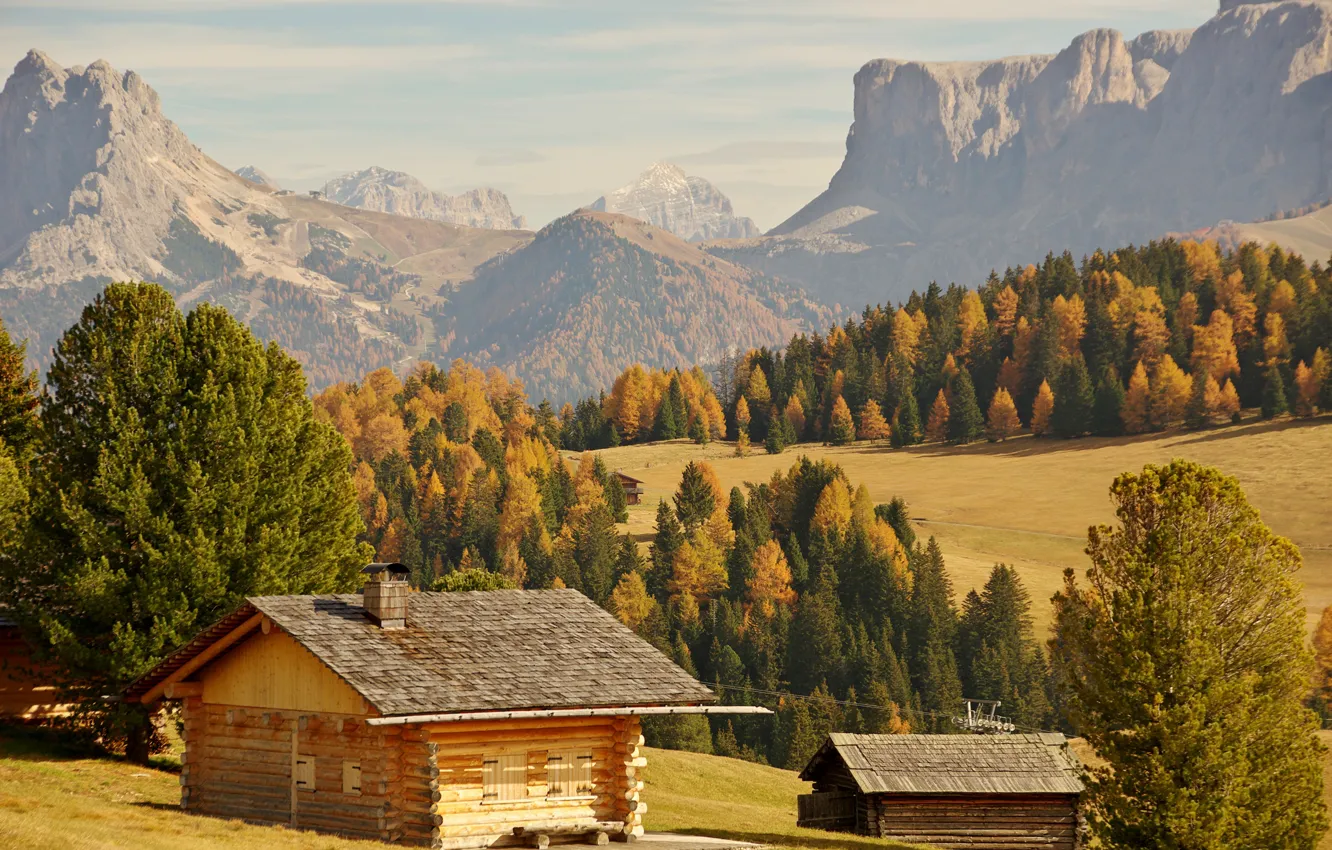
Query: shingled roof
953	764
478	651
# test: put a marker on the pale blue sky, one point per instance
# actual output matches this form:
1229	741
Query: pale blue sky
553	101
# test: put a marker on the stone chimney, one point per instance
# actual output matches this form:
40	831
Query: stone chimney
386	592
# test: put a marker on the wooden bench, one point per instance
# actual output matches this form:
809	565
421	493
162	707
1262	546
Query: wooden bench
597	833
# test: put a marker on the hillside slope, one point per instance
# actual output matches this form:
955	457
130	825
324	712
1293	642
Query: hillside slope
596	291
99	186
956	168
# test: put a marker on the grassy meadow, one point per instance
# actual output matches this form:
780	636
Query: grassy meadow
57	798
1029	502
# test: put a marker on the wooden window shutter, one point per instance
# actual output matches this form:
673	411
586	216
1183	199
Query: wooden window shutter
583	775
305	773
490	779
556	775
569	773
351	778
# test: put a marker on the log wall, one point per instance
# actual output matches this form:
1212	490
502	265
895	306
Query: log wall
26	691
240	762
466	821
979	822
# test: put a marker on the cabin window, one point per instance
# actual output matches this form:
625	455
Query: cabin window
305	773
504	778
569	773
351	778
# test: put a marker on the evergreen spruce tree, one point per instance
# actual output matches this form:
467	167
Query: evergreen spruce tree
1075	400
1275	402
615	498
966	423
906	422
695	500
18	399
1191	685
1197	415
842	430
815	653
931	628
182	470
1107	417
667	427
668	540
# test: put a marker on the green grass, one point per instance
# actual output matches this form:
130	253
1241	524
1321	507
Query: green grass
728	798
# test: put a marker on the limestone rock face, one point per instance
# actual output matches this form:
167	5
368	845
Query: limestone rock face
402	194
956	168
91	173
690	207
254	175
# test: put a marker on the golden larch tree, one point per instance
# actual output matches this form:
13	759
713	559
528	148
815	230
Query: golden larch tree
907	328
1214	346
1281	299
1042	409
1230	401
872	424
971	321
1071	316
742	416
770	585
1137	402
1306	391
832	511
936	427
630	601
1002	420
1276	347
1171	388
795	413
699	569
1005	311
757	392
841	427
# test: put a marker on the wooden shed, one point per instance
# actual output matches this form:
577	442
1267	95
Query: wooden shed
633	488
448	720
1005	792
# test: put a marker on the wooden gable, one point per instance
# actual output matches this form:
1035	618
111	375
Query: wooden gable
274	671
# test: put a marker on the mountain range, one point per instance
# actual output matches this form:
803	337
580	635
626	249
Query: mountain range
397	193
955	168
690	207
951	169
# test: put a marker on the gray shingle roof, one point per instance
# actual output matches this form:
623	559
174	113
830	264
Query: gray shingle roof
954	764
483	651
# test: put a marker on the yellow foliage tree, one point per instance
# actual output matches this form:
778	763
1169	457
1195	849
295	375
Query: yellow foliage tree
390	545
1042	409
1005	311
936	427
770	585
1002	420
1306	391
1230	401
630	601
742	416
1171	388
1151	335
795	413
1214	400
699	569
1071	317
1214	346
382	436
841	428
1024	344
1009	377
1276	347
1137	402
971	320
512	565
1282	299
522	501
757	392
907	328
832	511
872	424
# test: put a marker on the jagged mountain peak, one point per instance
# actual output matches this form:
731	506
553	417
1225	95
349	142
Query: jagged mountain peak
399	193
257	175
690	207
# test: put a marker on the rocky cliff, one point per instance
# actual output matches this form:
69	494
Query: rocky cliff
955	168
690	207
397	193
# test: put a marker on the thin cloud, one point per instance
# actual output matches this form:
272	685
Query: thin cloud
510	157
744	153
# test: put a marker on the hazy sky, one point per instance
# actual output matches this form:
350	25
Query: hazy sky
553	101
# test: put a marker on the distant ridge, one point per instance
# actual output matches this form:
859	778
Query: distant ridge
398	193
690	207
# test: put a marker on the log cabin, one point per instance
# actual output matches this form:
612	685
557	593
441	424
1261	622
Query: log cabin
633	488
28	689
446	720
1016	792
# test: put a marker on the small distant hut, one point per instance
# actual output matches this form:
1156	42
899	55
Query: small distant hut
1018	792
633	488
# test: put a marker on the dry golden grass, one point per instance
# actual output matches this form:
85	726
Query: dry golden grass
1029	502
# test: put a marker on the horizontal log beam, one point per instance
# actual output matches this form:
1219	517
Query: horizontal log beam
637	711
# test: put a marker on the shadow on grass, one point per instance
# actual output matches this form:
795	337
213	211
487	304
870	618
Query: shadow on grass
23	742
834	841
161	807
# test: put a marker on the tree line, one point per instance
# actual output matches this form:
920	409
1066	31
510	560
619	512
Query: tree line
1143	339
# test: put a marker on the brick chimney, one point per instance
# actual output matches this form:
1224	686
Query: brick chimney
386	592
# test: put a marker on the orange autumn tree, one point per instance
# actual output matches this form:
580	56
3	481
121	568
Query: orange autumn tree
770	585
872	424
1137	402
1002	420
1171	388
936	427
1042	409
841	429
